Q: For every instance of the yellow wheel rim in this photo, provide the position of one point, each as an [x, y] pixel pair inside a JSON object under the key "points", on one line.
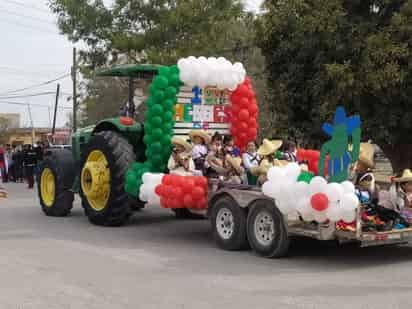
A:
{"points": [[47, 187], [95, 180]]}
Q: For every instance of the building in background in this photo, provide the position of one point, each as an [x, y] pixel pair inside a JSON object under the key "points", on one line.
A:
{"points": [[13, 119]]}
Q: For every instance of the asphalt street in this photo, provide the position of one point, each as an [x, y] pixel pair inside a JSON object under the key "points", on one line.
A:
{"points": [[157, 261]]}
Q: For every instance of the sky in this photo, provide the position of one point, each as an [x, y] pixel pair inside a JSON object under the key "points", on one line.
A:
{"points": [[32, 52]]}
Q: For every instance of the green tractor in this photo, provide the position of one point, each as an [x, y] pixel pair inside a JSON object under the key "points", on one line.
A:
{"points": [[96, 165]]}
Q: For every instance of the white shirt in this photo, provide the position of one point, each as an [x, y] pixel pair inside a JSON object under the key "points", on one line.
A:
{"points": [[250, 160], [199, 151]]}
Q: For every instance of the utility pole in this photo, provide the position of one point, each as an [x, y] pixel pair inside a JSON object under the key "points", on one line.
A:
{"points": [[55, 109], [31, 124], [74, 71]]}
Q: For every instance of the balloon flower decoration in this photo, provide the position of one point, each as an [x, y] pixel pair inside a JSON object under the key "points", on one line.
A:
{"points": [[158, 128], [174, 191], [313, 201]]}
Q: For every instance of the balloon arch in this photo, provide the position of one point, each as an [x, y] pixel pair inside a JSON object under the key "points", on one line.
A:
{"points": [[159, 123]]}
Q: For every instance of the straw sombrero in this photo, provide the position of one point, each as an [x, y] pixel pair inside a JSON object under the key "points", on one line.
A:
{"points": [[235, 162], [406, 176], [176, 140], [203, 134], [366, 154], [268, 147]]}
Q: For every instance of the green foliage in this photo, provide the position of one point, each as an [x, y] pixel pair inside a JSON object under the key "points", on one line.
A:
{"points": [[354, 53]]}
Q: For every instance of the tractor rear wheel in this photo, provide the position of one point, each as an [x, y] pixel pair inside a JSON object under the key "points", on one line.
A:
{"points": [[54, 181], [104, 163]]}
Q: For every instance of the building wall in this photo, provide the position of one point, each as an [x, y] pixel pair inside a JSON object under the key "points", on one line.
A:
{"points": [[13, 118]]}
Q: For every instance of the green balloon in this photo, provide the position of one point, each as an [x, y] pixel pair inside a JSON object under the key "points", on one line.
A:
{"points": [[148, 127], [157, 134], [150, 102], [174, 80], [159, 96], [168, 105], [153, 89], [174, 69], [156, 147], [160, 82], [156, 160], [136, 166], [166, 140], [164, 71], [147, 139], [131, 178], [168, 116], [157, 110], [157, 121], [170, 93], [148, 152], [305, 177]]}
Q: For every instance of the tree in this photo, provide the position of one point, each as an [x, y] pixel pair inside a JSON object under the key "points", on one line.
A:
{"points": [[5, 124], [320, 54]]}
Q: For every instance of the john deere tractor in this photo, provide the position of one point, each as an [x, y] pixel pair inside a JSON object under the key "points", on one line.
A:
{"points": [[96, 165]]}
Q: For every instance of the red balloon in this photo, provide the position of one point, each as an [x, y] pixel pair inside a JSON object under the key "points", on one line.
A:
{"points": [[253, 109], [201, 181], [188, 201], [252, 123], [175, 203], [167, 179], [242, 90], [243, 126], [188, 185], [251, 95], [202, 203], [244, 114], [178, 193], [252, 133], [243, 103], [243, 137], [198, 192], [163, 202], [319, 201], [159, 190]]}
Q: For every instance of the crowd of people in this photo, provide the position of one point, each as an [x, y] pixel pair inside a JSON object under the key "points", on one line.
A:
{"points": [[217, 157], [19, 163]]}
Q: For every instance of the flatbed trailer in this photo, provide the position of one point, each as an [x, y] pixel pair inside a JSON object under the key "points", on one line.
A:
{"points": [[243, 216]]}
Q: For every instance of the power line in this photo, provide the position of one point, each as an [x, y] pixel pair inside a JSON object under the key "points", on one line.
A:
{"points": [[28, 16], [27, 95], [44, 30], [27, 5], [33, 104], [37, 85]]}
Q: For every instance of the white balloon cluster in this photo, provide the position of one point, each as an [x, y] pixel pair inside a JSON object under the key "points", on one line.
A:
{"points": [[147, 189], [211, 71], [293, 196]]}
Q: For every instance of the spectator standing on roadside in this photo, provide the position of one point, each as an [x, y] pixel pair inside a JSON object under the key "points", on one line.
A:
{"points": [[30, 162]]}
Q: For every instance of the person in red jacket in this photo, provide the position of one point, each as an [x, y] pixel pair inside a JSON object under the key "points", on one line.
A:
{"points": [[3, 164]]}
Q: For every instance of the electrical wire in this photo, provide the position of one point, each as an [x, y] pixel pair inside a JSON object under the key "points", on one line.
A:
{"points": [[27, 16], [37, 85], [27, 95], [44, 30], [25, 5], [34, 104]]}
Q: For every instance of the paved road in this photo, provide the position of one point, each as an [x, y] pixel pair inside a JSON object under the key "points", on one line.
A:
{"points": [[158, 262]]}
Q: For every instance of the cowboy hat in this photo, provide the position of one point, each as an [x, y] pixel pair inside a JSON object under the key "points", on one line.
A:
{"points": [[268, 147], [406, 176], [235, 162], [202, 134], [366, 154], [176, 140]]}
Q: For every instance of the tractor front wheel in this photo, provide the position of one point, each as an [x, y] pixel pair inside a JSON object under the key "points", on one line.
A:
{"points": [[105, 162]]}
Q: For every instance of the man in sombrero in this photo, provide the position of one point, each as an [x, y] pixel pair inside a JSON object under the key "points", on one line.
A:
{"points": [[181, 162]]}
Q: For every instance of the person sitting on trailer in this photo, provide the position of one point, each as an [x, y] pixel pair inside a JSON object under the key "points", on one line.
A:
{"points": [[181, 162], [234, 170], [267, 152], [401, 194], [200, 139], [215, 160], [229, 147], [250, 160]]}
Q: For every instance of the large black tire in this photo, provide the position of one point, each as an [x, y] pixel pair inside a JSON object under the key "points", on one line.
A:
{"points": [[61, 164], [266, 230], [119, 154], [228, 221]]}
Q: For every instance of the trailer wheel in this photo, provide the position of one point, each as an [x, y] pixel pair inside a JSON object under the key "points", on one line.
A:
{"points": [[228, 221], [266, 230]]}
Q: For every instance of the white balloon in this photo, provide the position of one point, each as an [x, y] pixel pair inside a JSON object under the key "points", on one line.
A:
{"points": [[275, 173], [301, 189], [267, 189], [317, 184], [348, 187], [349, 201], [303, 207], [348, 216], [334, 212], [285, 206], [334, 192], [292, 171]]}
